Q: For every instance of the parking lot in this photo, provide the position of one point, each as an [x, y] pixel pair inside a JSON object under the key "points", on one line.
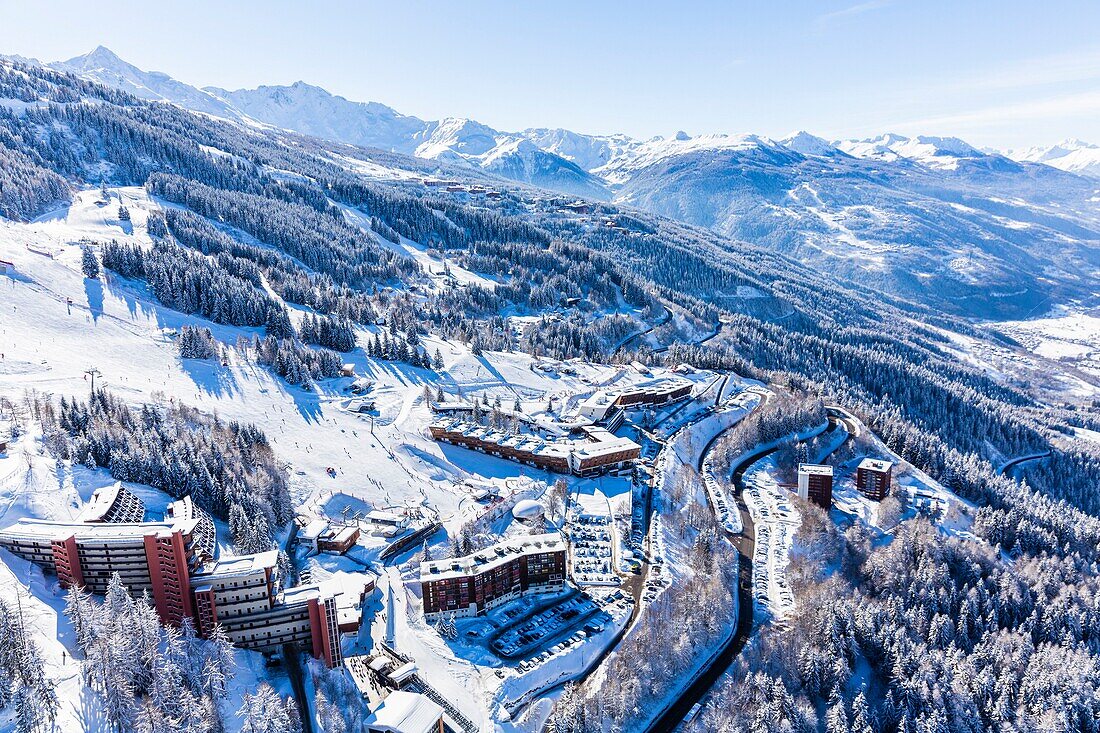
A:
{"points": [[549, 627], [776, 521]]}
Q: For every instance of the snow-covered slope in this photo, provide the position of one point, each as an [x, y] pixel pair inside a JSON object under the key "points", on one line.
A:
{"points": [[1075, 156], [312, 110], [930, 219], [937, 152], [103, 66]]}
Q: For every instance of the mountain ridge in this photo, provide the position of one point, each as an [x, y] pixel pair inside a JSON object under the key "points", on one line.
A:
{"points": [[928, 216]]}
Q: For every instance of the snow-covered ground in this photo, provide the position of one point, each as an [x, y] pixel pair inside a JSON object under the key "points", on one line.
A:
{"points": [[1066, 335], [922, 493], [34, 485], [56, 325]]}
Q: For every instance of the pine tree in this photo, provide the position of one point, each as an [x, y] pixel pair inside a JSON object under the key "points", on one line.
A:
{"points": [[220, 662], [836, 719], [89, 263], [79, 610]]}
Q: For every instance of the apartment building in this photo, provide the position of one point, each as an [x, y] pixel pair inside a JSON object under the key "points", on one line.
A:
{"points": [[170, 561], [598, 450], [873, 478], [471, 585], [815, 483]]}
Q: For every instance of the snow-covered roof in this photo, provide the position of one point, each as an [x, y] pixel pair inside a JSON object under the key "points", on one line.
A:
{"points": [[313, 530], [813, 468], [404, 712], [875, 464], [113, 504], [346, 588], [534, 445], [491, 557], [527, 509], [605, 447], [380, 517], [403, 672], [47, 530], [235, 567]]}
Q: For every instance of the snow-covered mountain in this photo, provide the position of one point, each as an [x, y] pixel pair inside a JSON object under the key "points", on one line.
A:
{"points": [[466, 142], [931, 218], [807, 144], [587, 151], [103, 66], [1075, 156], [935, 152], [313, 111]]}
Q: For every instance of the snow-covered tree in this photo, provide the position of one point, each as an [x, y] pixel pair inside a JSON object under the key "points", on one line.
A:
{"points": [[89, 263]]}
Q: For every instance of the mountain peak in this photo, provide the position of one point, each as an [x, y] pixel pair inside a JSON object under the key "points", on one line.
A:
{"points": [[101, 53], [99, 57], [808, 144]]}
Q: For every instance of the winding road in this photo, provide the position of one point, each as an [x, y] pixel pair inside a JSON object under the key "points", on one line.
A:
{"points": [[638, 334], [1007, 467], [745, 543]]}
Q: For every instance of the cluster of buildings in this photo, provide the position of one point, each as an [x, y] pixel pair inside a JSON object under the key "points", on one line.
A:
{"points": [[597, 450], [601, 405], [457, 187], [471, 585], [399, 700], [174, 560], [324, 537]]}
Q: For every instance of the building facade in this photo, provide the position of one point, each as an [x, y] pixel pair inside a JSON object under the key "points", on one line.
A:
{"points": [[659, 394], [166, 560], [471, 585], [157, 557], [598, 451], [873, 478], [815, 483]]}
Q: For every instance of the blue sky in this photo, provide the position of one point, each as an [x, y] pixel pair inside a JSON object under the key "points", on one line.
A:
{"points": [[1006, 74]]}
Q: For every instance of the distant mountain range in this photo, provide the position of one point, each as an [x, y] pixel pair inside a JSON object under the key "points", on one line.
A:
{"points": [[929, 218], [1074, 156]]}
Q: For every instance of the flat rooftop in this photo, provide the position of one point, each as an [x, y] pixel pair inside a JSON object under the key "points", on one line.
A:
{"points": [[815, 469], [876, 464], [230, 567], [606, 442], [345, 587], [45, 530], [491, 557]]}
